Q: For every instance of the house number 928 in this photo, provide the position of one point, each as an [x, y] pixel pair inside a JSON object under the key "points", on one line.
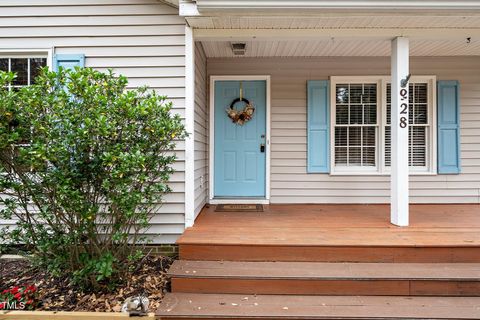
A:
{"points": [[403, 108]]}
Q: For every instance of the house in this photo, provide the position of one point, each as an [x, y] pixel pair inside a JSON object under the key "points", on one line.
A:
{"points": [[334, 103]]}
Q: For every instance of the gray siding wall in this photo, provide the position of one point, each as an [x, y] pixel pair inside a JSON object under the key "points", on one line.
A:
{"points": [[201, 129], [290, 182], [141, 39]]}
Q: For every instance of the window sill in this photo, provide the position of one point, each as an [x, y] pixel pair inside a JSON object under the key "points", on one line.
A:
{"points": [[346, 173]]}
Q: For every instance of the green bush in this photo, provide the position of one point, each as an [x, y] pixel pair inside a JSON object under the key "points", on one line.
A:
{"points": [[84, 165]]}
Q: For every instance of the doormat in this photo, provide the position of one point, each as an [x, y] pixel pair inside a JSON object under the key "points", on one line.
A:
{"points": [[239, 208]]}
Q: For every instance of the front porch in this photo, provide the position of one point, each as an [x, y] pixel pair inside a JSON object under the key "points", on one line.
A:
{"points": [[335, 232], [298, 161], [350, 106], [328, 262]]}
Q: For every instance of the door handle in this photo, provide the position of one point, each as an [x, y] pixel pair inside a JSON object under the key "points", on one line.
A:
{"points": [[262, 147]]}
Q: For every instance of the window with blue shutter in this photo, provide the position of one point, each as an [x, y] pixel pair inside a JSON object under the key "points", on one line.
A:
{"points": [[318, 113], [68, 61], [448, 112]]}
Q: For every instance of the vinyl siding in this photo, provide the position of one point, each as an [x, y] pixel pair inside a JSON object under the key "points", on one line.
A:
{"points": [[201, 129], [141, 39], [290, 182]]}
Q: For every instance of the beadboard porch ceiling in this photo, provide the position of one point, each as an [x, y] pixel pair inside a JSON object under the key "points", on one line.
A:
{"points": [[339, 47], [339, 35]]}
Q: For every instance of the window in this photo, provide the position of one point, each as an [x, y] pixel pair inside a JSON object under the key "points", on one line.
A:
{"points": [[356, 125], [26, 67], [418, 131], [361, 109]]}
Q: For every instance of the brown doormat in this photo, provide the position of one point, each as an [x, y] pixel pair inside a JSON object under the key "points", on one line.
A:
{"points": [[239, 208]]}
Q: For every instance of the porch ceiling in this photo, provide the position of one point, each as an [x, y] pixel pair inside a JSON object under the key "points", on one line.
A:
{"points": [[343, 21], [338, 35], [341, 47]]}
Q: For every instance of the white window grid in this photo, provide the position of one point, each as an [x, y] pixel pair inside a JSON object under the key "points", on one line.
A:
{"points": [[362, 126], [29, 59], [413, 126], [381, 168]]}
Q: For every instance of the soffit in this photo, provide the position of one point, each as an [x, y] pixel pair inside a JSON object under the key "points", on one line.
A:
{"points": [[316, 48]]}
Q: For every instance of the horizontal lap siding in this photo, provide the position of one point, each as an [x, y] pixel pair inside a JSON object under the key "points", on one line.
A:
{"points": [[141, 39], [290, 182], [201, 129]]}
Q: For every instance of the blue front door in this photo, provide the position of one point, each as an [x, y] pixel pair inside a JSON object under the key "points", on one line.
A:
{"points": [[240, 161]]}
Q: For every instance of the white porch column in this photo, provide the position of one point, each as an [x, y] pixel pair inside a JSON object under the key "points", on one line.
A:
{"points": [[399, 132], [190, 127]]}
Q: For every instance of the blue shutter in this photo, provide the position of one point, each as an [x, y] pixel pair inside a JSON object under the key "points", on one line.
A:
{"points": [[448, 127], [68, 61], [318, 149]]}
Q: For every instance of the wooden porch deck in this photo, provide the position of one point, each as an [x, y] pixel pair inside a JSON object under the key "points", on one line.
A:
{"points": [[328, 262], [328, 232]]}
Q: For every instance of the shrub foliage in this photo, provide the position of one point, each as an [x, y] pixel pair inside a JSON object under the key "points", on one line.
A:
{"points": [[84, 165]]}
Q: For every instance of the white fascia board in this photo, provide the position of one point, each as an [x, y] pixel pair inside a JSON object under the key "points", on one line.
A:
{"points": [[188, 8], [338, 4]]}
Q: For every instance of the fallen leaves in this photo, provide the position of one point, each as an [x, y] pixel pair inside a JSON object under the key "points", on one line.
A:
{"points": [[59, 294]]}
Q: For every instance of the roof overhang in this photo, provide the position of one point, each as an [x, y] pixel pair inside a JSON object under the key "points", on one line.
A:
{"points": [[324, 27], [173, 3], [315, 7]]}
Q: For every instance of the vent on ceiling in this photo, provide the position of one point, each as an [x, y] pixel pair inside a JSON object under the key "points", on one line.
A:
{"points": [[239, 48]]}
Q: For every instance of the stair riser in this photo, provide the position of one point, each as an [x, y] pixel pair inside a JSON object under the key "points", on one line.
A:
{"points": [[327, 287], [330, 254], [283, 318]]}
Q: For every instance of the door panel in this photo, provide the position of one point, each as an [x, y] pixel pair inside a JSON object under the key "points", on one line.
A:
{"points": [[239, 165]]}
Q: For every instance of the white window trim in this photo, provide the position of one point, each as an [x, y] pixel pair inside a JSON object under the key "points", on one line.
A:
{"points": [[29, 53], [380, 168]]}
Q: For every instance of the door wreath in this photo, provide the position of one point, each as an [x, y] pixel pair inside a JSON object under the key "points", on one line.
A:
{"points": [[240, 117]]}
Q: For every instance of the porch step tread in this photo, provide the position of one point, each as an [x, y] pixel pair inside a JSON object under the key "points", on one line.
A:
{"points": [[331, 237], [231, 306], [325, 271]]}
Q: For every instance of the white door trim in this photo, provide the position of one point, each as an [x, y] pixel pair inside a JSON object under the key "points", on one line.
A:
{"points": [[211, 170]]}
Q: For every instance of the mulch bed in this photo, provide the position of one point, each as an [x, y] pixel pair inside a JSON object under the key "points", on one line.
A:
{"points": [[58, 294]]}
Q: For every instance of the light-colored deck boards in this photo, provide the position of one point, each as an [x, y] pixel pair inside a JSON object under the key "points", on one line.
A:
{"points": [[229, 306]]}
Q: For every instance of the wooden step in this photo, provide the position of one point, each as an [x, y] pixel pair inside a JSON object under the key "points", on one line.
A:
{"points": [[228, 306], [335, 233], [322, 253], [316, 278]]}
